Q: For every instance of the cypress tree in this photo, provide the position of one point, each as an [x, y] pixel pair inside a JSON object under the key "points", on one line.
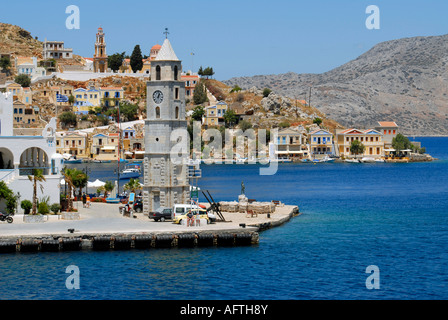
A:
{"points": [[136, 59]]}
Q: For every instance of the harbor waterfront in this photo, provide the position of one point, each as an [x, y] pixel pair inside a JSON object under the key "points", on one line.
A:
{"points": [[391, 215]]}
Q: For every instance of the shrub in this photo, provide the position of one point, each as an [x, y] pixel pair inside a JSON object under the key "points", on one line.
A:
{"points": [[55, 207], [266, 92], [43, 208], [26, 205]]}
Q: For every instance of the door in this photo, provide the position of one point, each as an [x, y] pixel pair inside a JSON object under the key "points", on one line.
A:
{"points": [[156, 201]]}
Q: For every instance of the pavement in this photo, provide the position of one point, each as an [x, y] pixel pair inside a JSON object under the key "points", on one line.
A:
{"points": [[104, 218]]}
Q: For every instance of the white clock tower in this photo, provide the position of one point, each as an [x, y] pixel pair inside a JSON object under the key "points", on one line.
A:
{"points": [[165, 181]]}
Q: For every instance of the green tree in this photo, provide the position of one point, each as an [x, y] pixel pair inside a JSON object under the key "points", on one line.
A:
{"points": [[71, 99], [236, 88], [115, 61], [200, 93], [79, 179], [133, 185], [317, 121], [136, 59], [23, 80], [128, 111], [198, 113], [5, 64], [401, 142], [68, 118], [37, 178], [70, 176], [8, 195], [356, 147], [230, 118], [108, 187], [201, 71]]}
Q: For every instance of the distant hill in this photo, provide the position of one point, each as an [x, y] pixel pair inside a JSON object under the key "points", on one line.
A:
{"points": [[403, 80]]}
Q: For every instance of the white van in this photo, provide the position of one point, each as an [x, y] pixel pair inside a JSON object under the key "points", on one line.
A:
{"points": [[181, 209]]}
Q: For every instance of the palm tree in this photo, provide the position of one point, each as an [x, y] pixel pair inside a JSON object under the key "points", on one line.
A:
{"points": [[133, 185], [71, 175], [79, 180], [108, 187], [38, 176]]}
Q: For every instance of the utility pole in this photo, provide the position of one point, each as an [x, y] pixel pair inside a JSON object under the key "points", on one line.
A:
{"points": [[309, 99]]}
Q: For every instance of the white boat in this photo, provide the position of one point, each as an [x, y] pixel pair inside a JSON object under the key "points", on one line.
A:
{"points": [[130, 172], [351, 160], [367, 160], [380, 160]]}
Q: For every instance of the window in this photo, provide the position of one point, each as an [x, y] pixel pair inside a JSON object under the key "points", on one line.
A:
{"points": [[15, 110], [176, 93], [157, 112], [79, 142], [175, 73], [377, 139], [394, 131], [158, 73]]}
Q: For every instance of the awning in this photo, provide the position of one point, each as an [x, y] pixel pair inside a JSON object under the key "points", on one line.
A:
{"points": [[108, 148], [129, 153], [389, 150], [139, 152], [96, 184]]}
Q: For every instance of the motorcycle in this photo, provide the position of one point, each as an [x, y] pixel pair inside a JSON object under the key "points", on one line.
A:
{"points": [[6, 217]]}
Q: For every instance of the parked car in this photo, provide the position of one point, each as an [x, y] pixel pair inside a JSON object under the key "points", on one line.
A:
{"points": [[161, 214]]}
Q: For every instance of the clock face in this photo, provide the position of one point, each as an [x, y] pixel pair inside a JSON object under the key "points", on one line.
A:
{"points": [[157, 96]]}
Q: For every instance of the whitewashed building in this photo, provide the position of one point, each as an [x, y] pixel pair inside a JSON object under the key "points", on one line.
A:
{"points": [[20, 155]]}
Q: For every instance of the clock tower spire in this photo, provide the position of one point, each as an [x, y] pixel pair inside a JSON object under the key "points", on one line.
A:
{"points": [[165, 181]]}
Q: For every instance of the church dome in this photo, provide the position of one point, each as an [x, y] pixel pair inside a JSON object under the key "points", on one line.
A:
{"points": [[156, 47]]}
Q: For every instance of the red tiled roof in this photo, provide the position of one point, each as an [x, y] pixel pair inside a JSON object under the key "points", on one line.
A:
{"points": [[387, 124]]}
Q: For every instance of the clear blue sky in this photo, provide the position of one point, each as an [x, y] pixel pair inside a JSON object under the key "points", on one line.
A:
{"points": [[235, 37]]}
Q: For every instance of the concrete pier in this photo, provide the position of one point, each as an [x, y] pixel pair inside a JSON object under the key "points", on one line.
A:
{"points": [[102, 227]]}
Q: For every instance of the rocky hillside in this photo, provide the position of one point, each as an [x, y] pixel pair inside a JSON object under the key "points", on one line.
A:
{"points": [[404, 80], [19, 42], [272, 111]]}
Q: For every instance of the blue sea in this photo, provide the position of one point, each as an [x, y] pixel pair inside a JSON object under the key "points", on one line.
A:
{"points": [[392, 216]]}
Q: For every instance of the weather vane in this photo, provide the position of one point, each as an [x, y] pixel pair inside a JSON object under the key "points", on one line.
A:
{"points": [[166, 33]]}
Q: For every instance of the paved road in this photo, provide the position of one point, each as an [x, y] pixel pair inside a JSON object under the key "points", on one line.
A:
{"points": [[101, 218]]}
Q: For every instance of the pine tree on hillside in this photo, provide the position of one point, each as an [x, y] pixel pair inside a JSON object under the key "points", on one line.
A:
{"points": [[136, 59]]}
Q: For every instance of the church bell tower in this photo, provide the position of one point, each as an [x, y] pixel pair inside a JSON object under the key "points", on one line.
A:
{"points": [[100, 56], [165, 178]]}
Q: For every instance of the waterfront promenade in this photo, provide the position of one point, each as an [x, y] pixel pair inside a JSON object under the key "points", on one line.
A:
{"points": [[105, 219]]}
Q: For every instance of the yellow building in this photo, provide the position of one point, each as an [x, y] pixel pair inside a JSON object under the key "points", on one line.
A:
{"points": [[214, 115], [111, 96], [86, 99], [371, 139], [25, 115], [73, 142], [291, 144], [105, 146], [321, 143]]}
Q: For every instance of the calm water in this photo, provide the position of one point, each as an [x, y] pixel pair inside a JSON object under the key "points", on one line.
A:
{"points": [[394, 216]]}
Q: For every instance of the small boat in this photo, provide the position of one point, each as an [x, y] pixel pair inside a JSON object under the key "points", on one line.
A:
{"points": [[132, 171], [113, 200], [380, 160], [351, 160], [367, 160], [73, 160]]}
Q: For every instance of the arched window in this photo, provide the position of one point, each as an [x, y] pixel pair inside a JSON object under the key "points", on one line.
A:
{"points": [[157, 112], [177, 113], [158, 73], [175, 73]]}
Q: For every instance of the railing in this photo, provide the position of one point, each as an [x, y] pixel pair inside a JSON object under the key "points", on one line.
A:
{"points": [[10, 175], [30, 171]]}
